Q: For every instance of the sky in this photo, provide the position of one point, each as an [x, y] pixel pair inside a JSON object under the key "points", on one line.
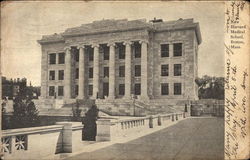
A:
{"points": [[23, 23]]}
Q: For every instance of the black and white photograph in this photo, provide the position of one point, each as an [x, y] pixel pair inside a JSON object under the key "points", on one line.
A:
{"points": [[124, 80]]}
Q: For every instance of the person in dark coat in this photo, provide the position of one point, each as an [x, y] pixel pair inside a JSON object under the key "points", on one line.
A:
{"points": [[89, 121]]}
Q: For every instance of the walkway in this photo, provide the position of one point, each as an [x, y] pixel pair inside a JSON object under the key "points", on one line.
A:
{"points": [[190, 139]]}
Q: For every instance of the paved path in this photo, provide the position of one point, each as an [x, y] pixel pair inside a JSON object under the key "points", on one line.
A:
{"points": [[190, 139]]}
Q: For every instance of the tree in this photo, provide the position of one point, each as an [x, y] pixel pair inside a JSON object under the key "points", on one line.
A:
{"points": [[25, 113], [210, 87], [76, 112]]}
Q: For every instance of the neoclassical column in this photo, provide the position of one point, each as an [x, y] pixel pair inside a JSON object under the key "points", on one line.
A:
{"points": [[127, 69], [111, 71], [96, 71], [81, 80], [144, 69], [67, 79]]}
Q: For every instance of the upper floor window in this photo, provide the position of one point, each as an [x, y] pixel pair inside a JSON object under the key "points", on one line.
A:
{"points": [[51, 75], [137, 70], [52, 58], [105, 52], [164, 89], [75, 52], [121, 49], [121, 71], [60, 90], [61, 58], [51, 90], [177, 88], [90, 52], [177, 49], [137, 49], [77, 73], [106, 71], [177, 69], [90, 72], [60, 74], [164, 70], [121, 89], [164, 50]]}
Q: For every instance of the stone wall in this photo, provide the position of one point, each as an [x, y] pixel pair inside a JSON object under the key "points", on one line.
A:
{"points": [[39, 142], [186, 37]]}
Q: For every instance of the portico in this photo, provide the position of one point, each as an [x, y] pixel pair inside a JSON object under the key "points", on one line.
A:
{"points": [[98, 64]]}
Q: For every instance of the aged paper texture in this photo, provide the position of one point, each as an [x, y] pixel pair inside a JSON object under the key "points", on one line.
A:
{"points": [[220, 49], [237, 80]]}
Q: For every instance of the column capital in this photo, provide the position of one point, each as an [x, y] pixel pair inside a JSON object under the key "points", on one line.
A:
{"points": [[67, 48], [111, 44], [127, 43], [80, 46], [143, 41], [94, 45]]}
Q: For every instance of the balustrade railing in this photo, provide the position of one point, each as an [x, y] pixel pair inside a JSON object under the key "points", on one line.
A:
{"points": [[108, 129]]}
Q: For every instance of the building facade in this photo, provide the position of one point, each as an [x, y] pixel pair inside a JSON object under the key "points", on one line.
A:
{"points": [[154, 61]]}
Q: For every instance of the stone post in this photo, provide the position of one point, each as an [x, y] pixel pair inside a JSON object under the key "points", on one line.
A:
{"points": [[111, 71], [81, 93], [67, 79], [103, 130], [66, 136], [127, 70], [96, 71], [144, 70]]}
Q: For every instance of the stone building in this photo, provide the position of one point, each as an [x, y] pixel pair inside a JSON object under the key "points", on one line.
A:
{"points": [[117, 62], [11, 87]]}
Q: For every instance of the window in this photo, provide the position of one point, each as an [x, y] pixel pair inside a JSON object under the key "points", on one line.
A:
{"points": [[61, 58], [52, 58], [90, 90], [164, 89], [51, 75], [60, 90], [77, 73], [121, 71], [76, 90], [121, 50], [75, 52], [177, 88], [177, 69], [137, 70], [137, 89], [105, 53], [165, 50], [60, 74], [90, 72], [121, 89], [164, 70], [51, 90], [177, 49], [106, 71], [90, 52], [137, 47]]}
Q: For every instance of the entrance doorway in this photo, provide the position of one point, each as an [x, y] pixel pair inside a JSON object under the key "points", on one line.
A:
{"points": [[105, 89]]}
